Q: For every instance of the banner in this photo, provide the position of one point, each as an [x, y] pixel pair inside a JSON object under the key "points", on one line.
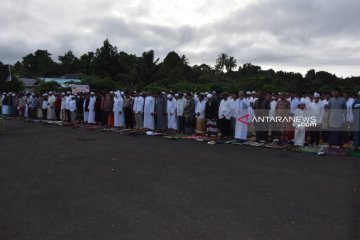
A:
{"points": [[80, 88]]}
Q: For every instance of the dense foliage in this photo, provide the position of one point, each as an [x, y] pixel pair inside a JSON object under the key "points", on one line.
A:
{"points": [[107, 68]]}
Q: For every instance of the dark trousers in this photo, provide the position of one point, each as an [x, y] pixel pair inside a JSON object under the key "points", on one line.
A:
{"points": [[314, 136], [44, 112], [129, 122], [262, 131], [181, 124], [68, 115], [104, 117], [225, 127], [57, 114]]}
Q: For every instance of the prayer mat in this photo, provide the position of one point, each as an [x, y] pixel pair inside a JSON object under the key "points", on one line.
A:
{"points": [[355, 153], [275, 146], [255, 144], [310, 149]]}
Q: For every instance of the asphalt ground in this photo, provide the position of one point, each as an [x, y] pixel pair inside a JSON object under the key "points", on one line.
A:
{"points": [[63, 183]]}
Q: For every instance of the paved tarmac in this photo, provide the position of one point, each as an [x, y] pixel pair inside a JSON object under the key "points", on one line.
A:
{"points": [[63, 183]]}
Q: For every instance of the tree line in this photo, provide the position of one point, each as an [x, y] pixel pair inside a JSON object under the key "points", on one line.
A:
{"points": [[107, 68]]}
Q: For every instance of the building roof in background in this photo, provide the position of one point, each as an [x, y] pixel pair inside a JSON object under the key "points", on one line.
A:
{"points": [[28, 82], [61, 80]]}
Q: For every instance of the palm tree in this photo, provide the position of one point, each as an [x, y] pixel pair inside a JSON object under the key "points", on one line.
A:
{"points": [[185, 60], [221, 61], [147, 68], [230, 64]]}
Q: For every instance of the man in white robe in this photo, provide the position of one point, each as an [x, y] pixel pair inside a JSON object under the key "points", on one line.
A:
{"points": [[301, 113], [51, 107], [91, 118], [171, 112], [149, 111], [119, 119], [241, 110]]}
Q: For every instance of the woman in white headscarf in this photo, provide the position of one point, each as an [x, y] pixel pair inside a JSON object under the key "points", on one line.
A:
{"points": [[119, 119]]}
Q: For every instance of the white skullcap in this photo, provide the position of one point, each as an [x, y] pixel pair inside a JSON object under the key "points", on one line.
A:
{"points": [[214, 92], [92, 93], [45, 94], [169, 96], [316, 95], [253, 92], [111, 92], [248, 92], [163, 93], [62, 93], [68, 92], [122, 93], [50, 92], [359, 93], [209, 96], [302, 102], [176, 95]]}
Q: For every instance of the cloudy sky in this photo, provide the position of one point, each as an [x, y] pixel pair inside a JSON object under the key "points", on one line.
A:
{"points": [[290, 35]]}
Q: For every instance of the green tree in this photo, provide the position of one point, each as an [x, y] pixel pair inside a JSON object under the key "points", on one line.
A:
{"points": [[221, 62], [86, 62], [38, 64], [106, 61], [147, 67], [69, 63], [230, 64], [12, 86]]}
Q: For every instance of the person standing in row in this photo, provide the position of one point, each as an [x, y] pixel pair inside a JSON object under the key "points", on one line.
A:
{"points": [[200, 115], [138, 110], [149, 112], [180, 106], [128, 112], [225, 114], [241, 111]]}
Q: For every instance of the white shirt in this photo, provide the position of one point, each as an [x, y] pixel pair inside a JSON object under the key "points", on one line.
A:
{"points": [[317, 110], [180, 106], [138, 104], [349, 111], [171, 107], [44, 104], [272, 111], [200, 108], [72, 106], [67, 102], [225, 110]]}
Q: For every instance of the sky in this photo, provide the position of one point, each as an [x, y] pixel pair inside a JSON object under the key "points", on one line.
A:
{"points": [[289, 35]]}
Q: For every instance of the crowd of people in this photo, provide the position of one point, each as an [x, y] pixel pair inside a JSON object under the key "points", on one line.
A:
{"points": [[335, 115]]}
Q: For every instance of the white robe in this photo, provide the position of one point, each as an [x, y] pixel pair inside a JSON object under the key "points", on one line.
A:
{"points": [[118, 112], [299, 137], [200, 108], [51, 108], [241, 110], [171, 114], [349, 110], [91, 118], [149, 109]]}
